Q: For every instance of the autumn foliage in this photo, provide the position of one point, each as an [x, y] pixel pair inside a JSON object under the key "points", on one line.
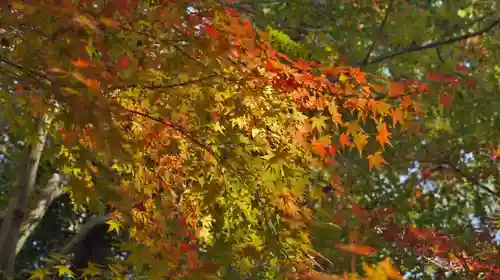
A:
{"points": [[203, 138]]}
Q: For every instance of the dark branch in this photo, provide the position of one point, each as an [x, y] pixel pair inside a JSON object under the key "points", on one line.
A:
{"points": [[381, 27], [82, 233], [434, 44]]}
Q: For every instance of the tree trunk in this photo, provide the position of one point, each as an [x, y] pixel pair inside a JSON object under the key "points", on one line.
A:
{"points": [[18, 203]]}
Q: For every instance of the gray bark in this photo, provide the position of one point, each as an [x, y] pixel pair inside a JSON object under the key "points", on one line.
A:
{"points": [[17, 208], [48, 194]]}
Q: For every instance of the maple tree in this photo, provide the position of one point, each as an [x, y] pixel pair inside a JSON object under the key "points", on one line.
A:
{"points": [[212, 154], [446, 50]]}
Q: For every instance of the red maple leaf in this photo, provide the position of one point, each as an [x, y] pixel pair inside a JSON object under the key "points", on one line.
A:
{"points": [[446, 100], [123, 61]]}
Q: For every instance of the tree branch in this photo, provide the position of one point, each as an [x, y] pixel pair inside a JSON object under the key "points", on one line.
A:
{"points": [[381, 27], [434, 44], [84, 230], [49, 193]]}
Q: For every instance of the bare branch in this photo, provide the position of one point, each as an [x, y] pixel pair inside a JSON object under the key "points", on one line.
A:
{"points": [[434, 44]]}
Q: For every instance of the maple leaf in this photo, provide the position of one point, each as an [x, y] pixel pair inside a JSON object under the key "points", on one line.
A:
{"points": [[384, 270], [114, 225], [434, 77], [333, 110], [396, 89], [123, 61], [380, 108], [318, 123], [352, 128], [85, 22], [39, 274], [91, 270], [375, 160], [319, 148], [301, 64], [407, 102], [270, 66], [343, 78], [359, 76], [63, 270], [383, 134], [345, 140], [122, 6], [332, 150], [495, 151], [461, 68], [397, 116], [446, 100], [360, 140], [93, 84], [358, 249], [109, 22], [423, 87], [80, 63], [212, 32]]}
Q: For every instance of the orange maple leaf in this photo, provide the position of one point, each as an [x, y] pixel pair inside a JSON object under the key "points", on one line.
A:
{"points": [[80, 63], [358, 249], [383, 134], [396, 89], [407, 102], [375, 160], [319, 147], [495, 151], [359, 76], [93, 84], [397, 116], [301, 64], [345, 140]]}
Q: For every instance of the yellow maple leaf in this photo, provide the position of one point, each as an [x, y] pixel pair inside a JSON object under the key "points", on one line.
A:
{"points": [[380, 108], [360, 140], [39, 273], [91, 270], [109, 22], [389, 269], [113, 225], [383, 271], [375, 160], [352, 128], [64, 270]]}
